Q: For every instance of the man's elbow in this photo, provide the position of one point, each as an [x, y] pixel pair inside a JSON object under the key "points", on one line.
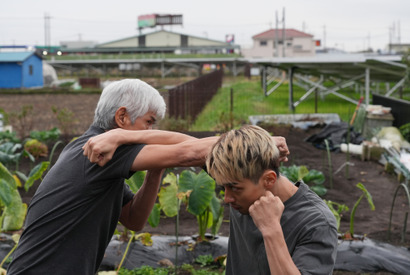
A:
{"points": [[135, 226]]}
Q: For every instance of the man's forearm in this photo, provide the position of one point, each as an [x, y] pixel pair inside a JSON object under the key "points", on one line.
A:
{"points": [[149, 137], [279, 259], [136, 213]]}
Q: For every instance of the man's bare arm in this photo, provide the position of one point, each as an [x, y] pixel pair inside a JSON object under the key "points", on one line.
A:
{"points": [[283, 148], [134, 215], [101, 148], [185, 154], [266, 213]]}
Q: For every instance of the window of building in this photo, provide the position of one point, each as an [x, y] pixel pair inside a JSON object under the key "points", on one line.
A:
{"points": [[30, 70], [263, 43]]}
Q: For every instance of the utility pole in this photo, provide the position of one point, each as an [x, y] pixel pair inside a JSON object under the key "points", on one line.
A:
{"points": [[47, 36], [276, 35], [283, 34], [276, 38]]}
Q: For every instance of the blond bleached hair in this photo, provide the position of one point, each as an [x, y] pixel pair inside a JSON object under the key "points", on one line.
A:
{"points": [[243, 154]]}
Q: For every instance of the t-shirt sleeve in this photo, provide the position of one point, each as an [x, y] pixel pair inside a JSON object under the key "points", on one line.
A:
{"points": [[316, 254], [127, 195]]}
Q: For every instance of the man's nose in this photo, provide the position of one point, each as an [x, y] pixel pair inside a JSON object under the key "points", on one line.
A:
{"points": [[228, 197]]}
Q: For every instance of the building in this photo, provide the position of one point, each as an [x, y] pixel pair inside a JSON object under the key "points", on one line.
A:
{"points": [[281, 43], [399, 48], [161, 42], [20, 70], [76, 44]]}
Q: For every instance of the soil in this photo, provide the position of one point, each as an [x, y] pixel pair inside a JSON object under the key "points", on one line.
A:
{"points": [[380, 184]]}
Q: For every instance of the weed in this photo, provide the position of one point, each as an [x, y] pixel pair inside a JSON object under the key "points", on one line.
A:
{"points": [[66, 121], [22, 120]]}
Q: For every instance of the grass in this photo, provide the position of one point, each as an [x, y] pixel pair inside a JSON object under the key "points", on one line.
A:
{"points": [[249, 99]]}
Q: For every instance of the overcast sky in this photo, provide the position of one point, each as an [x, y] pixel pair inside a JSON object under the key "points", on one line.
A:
{"points": [[352, 25]]}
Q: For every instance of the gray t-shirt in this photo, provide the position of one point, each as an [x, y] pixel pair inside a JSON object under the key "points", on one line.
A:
{"points": [[310, 233], [74, 212]]}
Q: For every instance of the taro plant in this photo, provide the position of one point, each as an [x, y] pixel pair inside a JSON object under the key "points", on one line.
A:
{"points": [[368, 196], [12, 209], [135, 182], [313, 178], [35, 174], [197, 191], [337, 209]]}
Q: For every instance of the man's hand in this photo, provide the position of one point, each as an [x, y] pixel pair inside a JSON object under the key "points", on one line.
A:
{"points": [[266, 212], [100, 149], [283, 148]]}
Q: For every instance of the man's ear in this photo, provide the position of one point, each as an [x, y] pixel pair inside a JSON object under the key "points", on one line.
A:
{"points": [[121, 117], [269, 178]]}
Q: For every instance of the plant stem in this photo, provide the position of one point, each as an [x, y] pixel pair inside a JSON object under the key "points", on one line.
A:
{"points": [[126, 250], [352, 215], [52, 152], [8, 255], [330, 164], [176, 237]]}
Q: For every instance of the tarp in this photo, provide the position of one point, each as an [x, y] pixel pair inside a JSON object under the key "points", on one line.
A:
{"points": [[335, 133]]}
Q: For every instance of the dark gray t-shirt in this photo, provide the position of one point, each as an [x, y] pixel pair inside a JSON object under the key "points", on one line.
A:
{"points": [[74, 212], [310, 233]]}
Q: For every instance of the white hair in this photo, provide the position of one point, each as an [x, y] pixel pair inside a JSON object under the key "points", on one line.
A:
{"points": [[135, 95]]}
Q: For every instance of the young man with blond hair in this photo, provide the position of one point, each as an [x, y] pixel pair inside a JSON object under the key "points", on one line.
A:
{"points": [[276, 226]]}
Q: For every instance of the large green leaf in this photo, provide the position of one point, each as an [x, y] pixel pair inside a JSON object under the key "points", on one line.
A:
{"points": [[168, 195], [5, 192], [154, 217], [135, 181], [320, 190], [314, 177], [217, 213], [36, 173], [7, 176], [14, 215], [203, 188], [291, 172]]}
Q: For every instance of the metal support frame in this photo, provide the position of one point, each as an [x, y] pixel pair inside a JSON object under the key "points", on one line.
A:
{"points": [[367, 85], [398, 85], [290, 73], [165, 72], [326, 90]]}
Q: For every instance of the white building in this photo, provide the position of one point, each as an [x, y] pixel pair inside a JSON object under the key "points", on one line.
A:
{"points": [[279, 43]]}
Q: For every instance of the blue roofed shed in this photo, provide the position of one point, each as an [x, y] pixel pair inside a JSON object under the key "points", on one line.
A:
{"points": [[20, 70]]}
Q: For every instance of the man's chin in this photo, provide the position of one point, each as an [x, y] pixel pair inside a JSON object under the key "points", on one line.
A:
{"points": [[240, 209]]}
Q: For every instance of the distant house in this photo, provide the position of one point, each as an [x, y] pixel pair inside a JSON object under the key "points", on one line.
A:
{"points": [[281, 43], [20, 70], [166, 42], [399, 48]]}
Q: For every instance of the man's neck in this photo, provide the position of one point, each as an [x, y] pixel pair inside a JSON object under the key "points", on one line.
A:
{"points": [[284, 188]]}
